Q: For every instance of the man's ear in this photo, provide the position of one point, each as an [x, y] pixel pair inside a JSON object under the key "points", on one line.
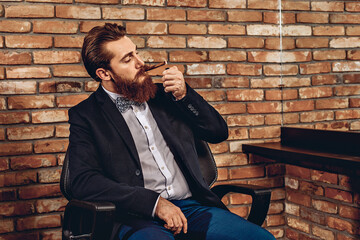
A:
{"points": [[103, 74]]}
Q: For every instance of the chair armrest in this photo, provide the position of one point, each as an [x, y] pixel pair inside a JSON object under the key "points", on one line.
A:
{"points": [[260, 199], [88, 220]]}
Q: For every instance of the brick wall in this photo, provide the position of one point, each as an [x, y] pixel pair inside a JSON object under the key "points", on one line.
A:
{"points": [[230, 53]]}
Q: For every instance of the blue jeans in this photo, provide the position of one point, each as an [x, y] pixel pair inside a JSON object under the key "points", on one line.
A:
{"points": [[208, 223]]}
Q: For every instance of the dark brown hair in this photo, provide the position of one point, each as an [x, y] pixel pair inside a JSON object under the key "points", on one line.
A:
{"points": [[94, 53]]}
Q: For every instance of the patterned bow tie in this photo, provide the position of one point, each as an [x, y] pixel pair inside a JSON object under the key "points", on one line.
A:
{"points": [[124, 104]]}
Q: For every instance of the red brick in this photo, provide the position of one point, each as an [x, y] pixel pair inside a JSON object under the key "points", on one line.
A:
{"points": [[50, 205], [275, 220], [265, 82], [78, 12], [55, 234], [311, 188], [68, 86], [341, 225], [352, 7], [299, 5], [180, 28], [14, 117], [288, 94], [244, 16], [258, 4], [206, 42], [346, 90], [316, 116], [27, 133], [39, 191], [200, 82], [55, 57], [350, 42], [219, 147], [327, 6], [47, 87], [329, 55], [244, 69], [163, 14], [71, 100], [226, 160], [238, 133], [49, 116], [264, 107], [296, 82], [265, 132], [240, 199], [166, 42], [230, 108], [240, 211], [36, 222], [345, 18], [312, 17], [315, 92], [6, 225], [299, 106], [340, 126], [4, 164], [29, 11], [51, 1], [68, 41], [347, 114], [323, 233], [354, 102], [349, 212], [273, 17], [274, 44], [55, 27], [91, 86], [49, 175], [245, 120], [62, 131], [24, 41], [297, 30], [328, 31], [233, 82], [28, 72], [145, 2], [324, 177], [299, 172], [228, 29], [312, 216], [298, 224], [69, 71], [273, 119], [299, 198], [353, 54], [353, 30], [262, 29], [50, 146], [36, 161], [247, 172], [213, 96], [236, 56], [182, 3], [245, 42], [338, 194], [18, 178], [31, 102], [205, 69], [13, 26], [277, 70], [276, 57], [15, 58], [153, 56], [208, 16], [227, 3], [15, 149], [331, 103], [312, 42], [26, 235], [146, 28], [245, 95]]}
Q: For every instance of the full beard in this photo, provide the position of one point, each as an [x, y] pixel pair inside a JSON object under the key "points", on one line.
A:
{"points": [[137, 90]]}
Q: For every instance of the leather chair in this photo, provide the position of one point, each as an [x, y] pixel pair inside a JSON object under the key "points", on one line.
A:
{"points": [[94, 220]]}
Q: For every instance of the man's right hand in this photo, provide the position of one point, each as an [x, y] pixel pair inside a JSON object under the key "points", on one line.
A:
{"points": [[172, 216]]}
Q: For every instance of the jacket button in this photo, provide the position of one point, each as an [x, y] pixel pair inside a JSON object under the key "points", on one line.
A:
{"points": [[137, 172]]}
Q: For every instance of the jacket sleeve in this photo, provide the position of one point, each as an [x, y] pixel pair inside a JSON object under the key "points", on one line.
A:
{"points": [[206, 123], [88, 180]]}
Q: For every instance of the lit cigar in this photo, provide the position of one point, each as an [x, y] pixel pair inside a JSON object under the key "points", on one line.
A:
{"points": [[156, 66]]}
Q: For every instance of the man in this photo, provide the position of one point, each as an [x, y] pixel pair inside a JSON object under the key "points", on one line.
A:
{"points": [[132, 143]]}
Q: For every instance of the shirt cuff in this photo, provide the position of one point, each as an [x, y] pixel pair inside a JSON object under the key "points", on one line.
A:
{"points": [[156, 203]]}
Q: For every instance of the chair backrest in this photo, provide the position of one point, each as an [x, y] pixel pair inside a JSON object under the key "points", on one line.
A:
{"points": [[206, 161], [65, 185]]}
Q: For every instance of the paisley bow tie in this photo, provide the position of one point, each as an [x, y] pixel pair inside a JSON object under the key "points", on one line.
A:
{"points": [[124, 104]]}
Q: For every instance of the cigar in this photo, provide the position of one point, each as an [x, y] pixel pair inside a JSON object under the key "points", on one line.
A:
{"points": [[156, 66]]}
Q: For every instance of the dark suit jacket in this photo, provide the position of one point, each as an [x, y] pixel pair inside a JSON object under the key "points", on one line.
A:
{"points": [[104, 164]]}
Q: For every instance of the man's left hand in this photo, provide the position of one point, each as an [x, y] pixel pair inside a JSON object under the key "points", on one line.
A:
{"points": [[173, 81]]}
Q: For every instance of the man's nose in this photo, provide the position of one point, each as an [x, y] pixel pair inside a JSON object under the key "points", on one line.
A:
{"points": [[139, 61]]}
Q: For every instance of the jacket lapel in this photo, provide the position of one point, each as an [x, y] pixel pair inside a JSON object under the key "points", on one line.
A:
{"points": [[117, 120]]}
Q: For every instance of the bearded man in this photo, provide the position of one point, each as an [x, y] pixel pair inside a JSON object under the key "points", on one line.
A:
{"points": [[132, 143]]}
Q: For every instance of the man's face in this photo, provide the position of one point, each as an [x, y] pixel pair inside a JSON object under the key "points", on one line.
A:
{"points": [[126, 62]]}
